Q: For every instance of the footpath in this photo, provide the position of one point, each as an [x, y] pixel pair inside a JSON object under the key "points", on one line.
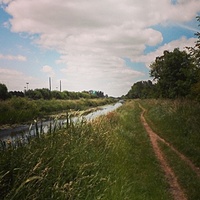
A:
{"points": [[175, 189]]}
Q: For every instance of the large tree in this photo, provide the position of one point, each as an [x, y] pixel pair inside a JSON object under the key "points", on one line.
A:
{"points": [[175, 73]]}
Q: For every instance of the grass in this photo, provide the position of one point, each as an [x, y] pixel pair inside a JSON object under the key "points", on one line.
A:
{"points": [[109, 158], [178, 122], [18, 110], [186, 177]]}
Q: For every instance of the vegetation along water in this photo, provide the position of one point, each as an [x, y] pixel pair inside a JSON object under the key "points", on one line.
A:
{"points": [[109, 158], [146, 150]]}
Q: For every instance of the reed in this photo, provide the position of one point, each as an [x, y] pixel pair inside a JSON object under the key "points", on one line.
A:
{"points": [[108, 158], [18, 110]]}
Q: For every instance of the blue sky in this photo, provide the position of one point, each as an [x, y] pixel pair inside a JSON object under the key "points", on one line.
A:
{"points": [[105, 45]]}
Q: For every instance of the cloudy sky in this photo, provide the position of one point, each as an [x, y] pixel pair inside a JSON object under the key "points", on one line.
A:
{"points": [[104, 45]]}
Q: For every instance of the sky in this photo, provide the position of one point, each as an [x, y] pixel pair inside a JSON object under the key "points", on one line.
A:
{"points": [[105, 45]]}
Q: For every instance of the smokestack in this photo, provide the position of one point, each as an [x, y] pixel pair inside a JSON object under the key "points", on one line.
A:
{"points": [[50, 83], [60, 85]]}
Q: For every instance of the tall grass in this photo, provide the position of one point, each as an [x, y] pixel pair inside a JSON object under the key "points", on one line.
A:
{"points": [[17, 110], [109, 158], [179, 123], [186, 176]]}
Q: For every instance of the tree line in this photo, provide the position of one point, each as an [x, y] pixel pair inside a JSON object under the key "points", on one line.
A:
{"points": [[175, 74], [46, 94]]}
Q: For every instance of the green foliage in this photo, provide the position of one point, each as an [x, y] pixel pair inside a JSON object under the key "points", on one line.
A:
{"points": [[141, 89], [39, 94], [195, 51], [3, 92], [16, 94], [110, 158], [187, 178], [17, 109], [175, 74], [195, 91], [178, 123], [57, 94], [47, 94]]}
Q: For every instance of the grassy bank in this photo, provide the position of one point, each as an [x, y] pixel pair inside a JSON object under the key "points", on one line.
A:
{"points": [[18, 110], [186, 176], [110, 158], [178, 122]]}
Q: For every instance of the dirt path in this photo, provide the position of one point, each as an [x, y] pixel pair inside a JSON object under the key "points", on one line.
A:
{"points": [[175, 188], [184, 158]]}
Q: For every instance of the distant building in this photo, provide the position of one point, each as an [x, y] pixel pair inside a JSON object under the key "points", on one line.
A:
{"points": [[92, 91]]}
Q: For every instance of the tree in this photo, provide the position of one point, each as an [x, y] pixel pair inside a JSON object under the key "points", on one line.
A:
{"points": [[175, 73], [141, 89], [195, 51], [46, 93], [195, 55], [57, 94], [16, 94], [37, 94], [3, 92]]}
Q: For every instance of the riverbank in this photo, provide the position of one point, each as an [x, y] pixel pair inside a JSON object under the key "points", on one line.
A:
{"points": [[20, 110], [54, 122], [109, 158], [57, 115], [112, 157]]}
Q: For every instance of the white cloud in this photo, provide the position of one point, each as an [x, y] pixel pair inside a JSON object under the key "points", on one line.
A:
{"points": [[12, 57], [48, 70], [113, 80], [181, 44], [93, 36]]}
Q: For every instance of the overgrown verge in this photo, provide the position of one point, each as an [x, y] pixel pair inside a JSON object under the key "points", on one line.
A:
{"points": [[18, 110], [110, 158], [178, 122], [186, 176]]}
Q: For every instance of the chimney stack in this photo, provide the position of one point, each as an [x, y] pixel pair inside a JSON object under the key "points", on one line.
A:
{"points": [[50, 83]]}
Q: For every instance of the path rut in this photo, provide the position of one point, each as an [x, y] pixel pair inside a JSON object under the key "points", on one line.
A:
{"points": [[175, 189]]}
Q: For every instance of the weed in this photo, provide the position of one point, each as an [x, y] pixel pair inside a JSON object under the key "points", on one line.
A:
{"points": [[18, 110], [178, 122], [108, 158]]}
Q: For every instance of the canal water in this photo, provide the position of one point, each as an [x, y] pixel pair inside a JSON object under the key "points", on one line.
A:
{"points": [[23, 130]]}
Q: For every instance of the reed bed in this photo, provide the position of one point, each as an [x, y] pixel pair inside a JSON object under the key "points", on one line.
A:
{"points": [[18, 110]]}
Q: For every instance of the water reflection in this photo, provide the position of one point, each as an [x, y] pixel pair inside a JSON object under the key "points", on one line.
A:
{"points": [[24, 132]]}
